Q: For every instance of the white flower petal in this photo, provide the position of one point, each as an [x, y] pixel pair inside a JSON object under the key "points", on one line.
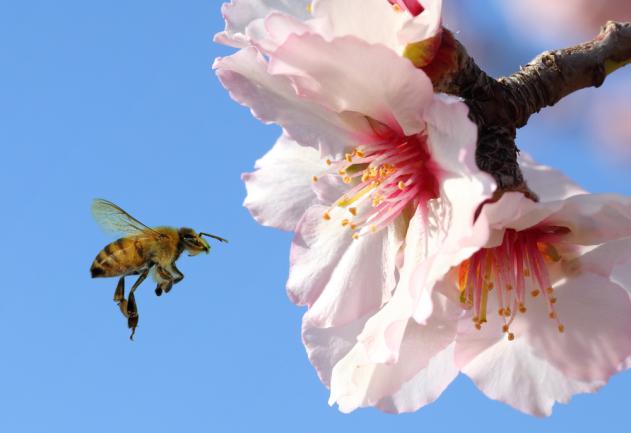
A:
{"points": [[374, 21], [340, 278], [327, 346], [239, 14], [347, 74], [509, 371], [425, 387], [358, 382], [281, 188], [273, 99], [596, 314], [549, 184]]}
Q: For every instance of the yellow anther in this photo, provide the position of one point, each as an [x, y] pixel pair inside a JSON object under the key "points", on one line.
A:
{"points": [[355, 236], [342, 172], [552, 315], [373, 228], [500, 312], [511, 336], [553, 300], [353, 226], [353, 211], [314, 179], [397, 8], [535, 293], [561, 329], [401, 185], [328, 162], [505, 329], [478, 326], [348, 157], [345, 222], [550, 290], [309, 7], [359, 153], [522, 308], [507, 312], [326, 216], [346, 179]]}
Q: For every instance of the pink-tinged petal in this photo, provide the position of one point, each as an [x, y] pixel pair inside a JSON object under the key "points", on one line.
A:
{"points": [[509, 371], [348, 74], [384, 332], [610, 260], [549, 184], [273, 99], [240, 14], [594, 218], [357, 382], [596, 315], [327, 346], [275, 29], [338, 277], [281, 188], [425, 387], [621, 272], [452, 136], [425, 25], [374, 21]]}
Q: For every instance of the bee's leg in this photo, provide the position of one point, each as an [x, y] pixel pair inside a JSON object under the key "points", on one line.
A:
{"points": [[131, 309], [167, 280], [140, 279], [119, 293], [132, 314], [179, 276]]}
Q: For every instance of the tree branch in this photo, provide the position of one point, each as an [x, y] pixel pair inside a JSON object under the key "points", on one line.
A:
{"points": [[501, 106]]}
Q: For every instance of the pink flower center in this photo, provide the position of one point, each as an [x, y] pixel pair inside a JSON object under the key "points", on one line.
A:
{"points": [[384, 176], [515, 270]]}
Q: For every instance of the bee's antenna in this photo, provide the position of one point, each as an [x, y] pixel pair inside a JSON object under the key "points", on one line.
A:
{"points": [[214, 237]]}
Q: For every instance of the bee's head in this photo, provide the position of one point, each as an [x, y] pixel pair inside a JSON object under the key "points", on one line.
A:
{"points": [[192, 242]]}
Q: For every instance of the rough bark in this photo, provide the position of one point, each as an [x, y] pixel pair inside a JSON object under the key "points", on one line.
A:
{"points": [[501, 106]]}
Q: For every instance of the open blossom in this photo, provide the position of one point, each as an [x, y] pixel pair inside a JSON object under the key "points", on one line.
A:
{"points": [[533, 307], [366, 145]]}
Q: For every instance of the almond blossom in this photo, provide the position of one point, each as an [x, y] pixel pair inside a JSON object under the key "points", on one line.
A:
{"points": [[366, 145], [533, 307]]}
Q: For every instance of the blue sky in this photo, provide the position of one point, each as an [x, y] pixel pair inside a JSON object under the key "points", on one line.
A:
{"points": [[117, 100]]}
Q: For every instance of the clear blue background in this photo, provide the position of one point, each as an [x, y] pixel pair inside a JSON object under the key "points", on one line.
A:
{"points": [[116, 99]]}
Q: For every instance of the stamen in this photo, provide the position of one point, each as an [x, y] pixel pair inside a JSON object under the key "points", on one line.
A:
{"points": [[505, 268], [384, 176]]}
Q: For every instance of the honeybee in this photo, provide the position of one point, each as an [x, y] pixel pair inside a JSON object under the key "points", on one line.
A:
{"points": [[142, 250]]}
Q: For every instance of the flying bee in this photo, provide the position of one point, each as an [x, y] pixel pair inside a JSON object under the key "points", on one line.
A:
{"points": [[142, 250]]}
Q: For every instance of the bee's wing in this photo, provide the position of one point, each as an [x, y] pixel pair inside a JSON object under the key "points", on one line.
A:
{"points": [[113, 219]]}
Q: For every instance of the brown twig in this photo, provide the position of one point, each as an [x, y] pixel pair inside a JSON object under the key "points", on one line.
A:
{"points": [[501, 106]]}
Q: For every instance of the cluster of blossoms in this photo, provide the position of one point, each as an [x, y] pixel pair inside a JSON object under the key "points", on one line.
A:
{"points": [[410, 268]]}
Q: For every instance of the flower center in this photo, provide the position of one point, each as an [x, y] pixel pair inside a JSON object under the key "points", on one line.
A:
{"points": [[515, 269], [384, 176]]}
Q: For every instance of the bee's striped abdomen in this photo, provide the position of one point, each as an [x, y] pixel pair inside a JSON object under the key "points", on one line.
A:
{"points": [[121, 257]]}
